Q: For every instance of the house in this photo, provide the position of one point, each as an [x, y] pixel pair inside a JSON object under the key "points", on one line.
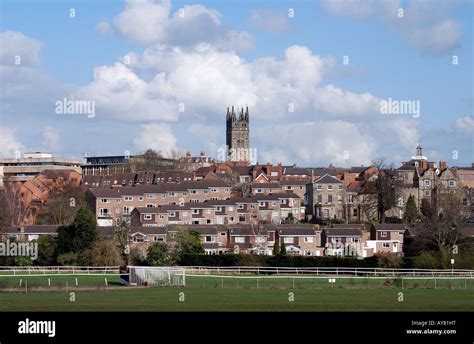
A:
{"points": [[343, 241], [387, 238], [325, 198], [300, 239]]}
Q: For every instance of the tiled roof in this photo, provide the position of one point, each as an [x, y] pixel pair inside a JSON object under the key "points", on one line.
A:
{"points": [[328, 179], [332, 232]]}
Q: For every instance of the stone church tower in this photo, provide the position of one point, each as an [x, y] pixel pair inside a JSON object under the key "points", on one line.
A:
{"points": [[237, 138]]}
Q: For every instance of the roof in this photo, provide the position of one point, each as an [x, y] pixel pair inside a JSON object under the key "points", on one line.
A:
{"points": [[398, 227], [35, 229], [336, 232], [266, 185], [328, 179]]}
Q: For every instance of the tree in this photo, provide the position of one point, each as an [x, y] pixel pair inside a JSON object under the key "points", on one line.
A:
{"points": [[187, 242], [276, 244], [426, 208], [47, 249], [64, 200], [282, 249], [381, 190], [80, 235], [443, 231], [411, 211], [16, 206], [103, 253], [157, 254]]}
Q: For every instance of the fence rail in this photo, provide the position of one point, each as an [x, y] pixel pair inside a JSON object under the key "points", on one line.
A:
{"points": [[243, 270], [327, 271]]}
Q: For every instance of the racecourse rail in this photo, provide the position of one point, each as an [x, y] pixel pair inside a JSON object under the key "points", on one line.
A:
{"points": [[20, 271]]}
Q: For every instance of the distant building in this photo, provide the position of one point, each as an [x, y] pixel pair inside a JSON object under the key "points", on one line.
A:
{"points": [[237, 135], [31, 164], [111, 164]]}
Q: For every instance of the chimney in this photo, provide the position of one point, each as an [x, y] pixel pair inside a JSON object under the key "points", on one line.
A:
{"points": [[280, 170], [442, 165], [22, 229], [312, 175], [268, 169]]}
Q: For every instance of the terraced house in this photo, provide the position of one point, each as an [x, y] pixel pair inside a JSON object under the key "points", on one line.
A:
{"points": [[112, 206]]}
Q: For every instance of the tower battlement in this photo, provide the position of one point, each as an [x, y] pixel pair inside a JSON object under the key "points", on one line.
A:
{"points": [[237, 134]]}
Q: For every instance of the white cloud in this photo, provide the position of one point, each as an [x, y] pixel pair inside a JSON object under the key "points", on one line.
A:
{"points": [[270, 20], [338, 142], [156, 136], [51, 137], [465, 124], [9, 145], [16, 44], [149, 21]]}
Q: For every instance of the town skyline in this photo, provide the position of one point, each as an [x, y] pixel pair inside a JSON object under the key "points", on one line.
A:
{"points": [[339, 85]]}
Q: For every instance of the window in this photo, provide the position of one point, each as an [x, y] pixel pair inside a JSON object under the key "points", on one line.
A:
{"points": [[350, 198], [252, 206], [329, 199], [171, 193], [162, 216], [171, 213], [158, 238], [163, 196], [150, 205], [223, 233], [320, 199], [288, 187], [218, 208], [184, 193], [213, 190], [282, 201], [138, 239], [209, 238], [386, 245], [150, 196], [240, 206], [274, 204], [128, 198], [261, 203], [147, 217], [336, 239], [339, 199], [259, 190], [288, 240], [309, 239], [104, 212], [226, 189], [427, 193], [195, 211], [354, 212], [329, 187], [206, 191], [104, 200], [192, 192], [452, 183], [231, 219], [140, 198], [427, 182], [383, 234], [326, 213], [340, 187], [319, 187], [239, 240], [355, 239]]}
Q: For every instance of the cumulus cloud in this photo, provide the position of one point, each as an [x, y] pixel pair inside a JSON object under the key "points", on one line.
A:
{"points": [[207, 80], [156, 136], [270, 20], [9, 145], [465, 124], [149, 21], [19, 49], [337, 142]]}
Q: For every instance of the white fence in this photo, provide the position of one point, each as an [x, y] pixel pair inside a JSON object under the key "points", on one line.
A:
{"points": [[20, 271], [327, 271]]}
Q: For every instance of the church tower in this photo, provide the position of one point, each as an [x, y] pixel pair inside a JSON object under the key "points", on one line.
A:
{"points": [[237, 134]]}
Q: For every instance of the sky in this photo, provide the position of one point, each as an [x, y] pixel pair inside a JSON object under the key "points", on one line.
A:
{"points": [[326, 82]]}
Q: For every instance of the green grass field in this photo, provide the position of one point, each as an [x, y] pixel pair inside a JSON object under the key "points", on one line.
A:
{"points": [[218, 299], [204, 293]]}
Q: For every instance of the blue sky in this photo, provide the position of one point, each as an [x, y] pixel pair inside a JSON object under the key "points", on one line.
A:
{"points": [[223, 53]]}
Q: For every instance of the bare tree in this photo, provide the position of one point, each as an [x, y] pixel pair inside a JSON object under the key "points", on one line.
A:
{"points": [[380, 191], [64, 199], [16, 206], [443, 230]]}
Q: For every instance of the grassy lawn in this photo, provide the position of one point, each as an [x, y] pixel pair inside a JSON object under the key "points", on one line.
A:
{"points": [[230, 299], [59, 281]]}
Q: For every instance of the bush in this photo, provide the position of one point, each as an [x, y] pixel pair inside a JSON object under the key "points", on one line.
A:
{"points": [[69, 258]]}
